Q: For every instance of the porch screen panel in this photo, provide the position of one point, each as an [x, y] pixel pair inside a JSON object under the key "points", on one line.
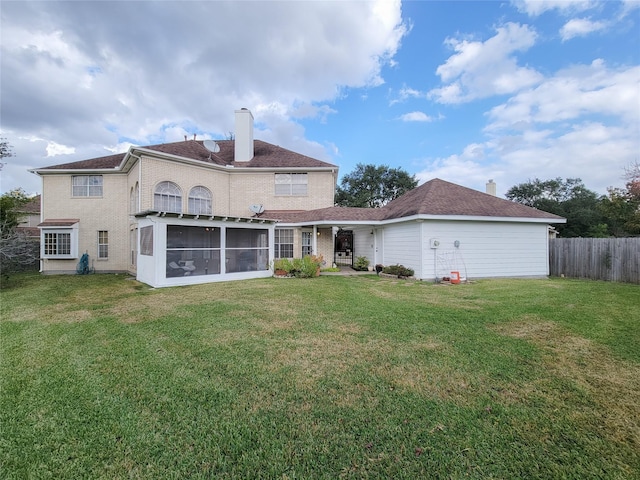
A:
{"points": [[146, 241], [247, 250], [192, 251]]}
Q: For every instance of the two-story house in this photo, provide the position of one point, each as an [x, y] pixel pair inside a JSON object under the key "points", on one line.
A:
{"points": [[184, 212], [202, 211]]}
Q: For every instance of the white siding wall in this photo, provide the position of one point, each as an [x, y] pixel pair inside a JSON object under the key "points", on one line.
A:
{"points": [[363, 244], [402, 246], [487, 249]]}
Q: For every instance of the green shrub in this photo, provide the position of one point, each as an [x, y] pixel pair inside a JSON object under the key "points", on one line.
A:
{"points": [[307, 267], [283, 264], [399, 270], [361, 263]]}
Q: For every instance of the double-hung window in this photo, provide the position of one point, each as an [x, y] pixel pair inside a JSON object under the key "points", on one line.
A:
{"points": [[283, 243], [103, 244], [291, 184], [86, 186]]}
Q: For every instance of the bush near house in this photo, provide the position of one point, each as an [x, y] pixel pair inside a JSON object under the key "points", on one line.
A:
{"points": [[399, 270], [361, 264], [306, 267]]}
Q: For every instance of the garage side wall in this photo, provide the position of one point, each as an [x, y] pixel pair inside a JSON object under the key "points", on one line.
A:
{"points": [[402, 245], [486, 249]]}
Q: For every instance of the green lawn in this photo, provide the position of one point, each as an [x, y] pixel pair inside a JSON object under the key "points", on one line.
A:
{"points": [[331, 377]]}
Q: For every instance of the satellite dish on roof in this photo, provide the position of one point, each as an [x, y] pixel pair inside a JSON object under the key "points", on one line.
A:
{"points": [[256, 208], [212, 146]]}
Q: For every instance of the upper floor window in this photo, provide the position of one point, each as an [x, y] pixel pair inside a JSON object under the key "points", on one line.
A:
{"points": [[291, 184], [86, 185], [167, 198], [200, 201]]}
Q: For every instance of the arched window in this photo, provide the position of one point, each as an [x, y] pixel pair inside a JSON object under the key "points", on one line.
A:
{"points": [[200, 201], [167, 198]]}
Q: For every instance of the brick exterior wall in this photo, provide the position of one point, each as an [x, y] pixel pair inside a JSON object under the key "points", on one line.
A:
{"points": [[233, 190], [110, 213]]}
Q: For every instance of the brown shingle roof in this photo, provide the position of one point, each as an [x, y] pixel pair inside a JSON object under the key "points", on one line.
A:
{"points": [[59, 222], [110, 161], [435, 197], [331, 214], [265, 155], [32, 206], [438, 197]]}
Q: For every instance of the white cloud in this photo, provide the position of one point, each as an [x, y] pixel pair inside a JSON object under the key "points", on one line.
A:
{"points": [[406, 93], [538, 7], [467, 168], [571, 93], [79, 73], [416, 117], [580, 27], [54, 149], [483, 69], [551, 130]]}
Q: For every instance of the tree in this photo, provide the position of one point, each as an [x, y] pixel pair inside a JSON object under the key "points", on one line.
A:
{"points": [[10, 215], [621, 207], [568, 198], [16, 250], [373, 186], [5, 151]]}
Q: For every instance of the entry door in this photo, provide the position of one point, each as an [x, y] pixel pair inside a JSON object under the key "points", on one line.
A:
{"points": [[343, 249]]}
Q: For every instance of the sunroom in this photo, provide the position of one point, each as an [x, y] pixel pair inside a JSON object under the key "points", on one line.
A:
{"points": [[179, 249]]}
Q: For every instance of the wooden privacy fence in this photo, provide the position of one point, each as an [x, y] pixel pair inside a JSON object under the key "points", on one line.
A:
{"points": [[612, 259]]}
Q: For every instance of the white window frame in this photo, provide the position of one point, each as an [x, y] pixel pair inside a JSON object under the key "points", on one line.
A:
{"points": [[86, 186], [307, 243], [73, 245], [291, 184], [103, 244], [167, 197], [280, 240], [200, 201]]}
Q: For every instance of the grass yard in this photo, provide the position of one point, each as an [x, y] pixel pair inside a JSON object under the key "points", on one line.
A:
{"points": [[331, 377]]}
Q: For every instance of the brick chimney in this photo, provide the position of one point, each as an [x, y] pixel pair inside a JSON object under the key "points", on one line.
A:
{"points": [[244, 135], [492, 188]]}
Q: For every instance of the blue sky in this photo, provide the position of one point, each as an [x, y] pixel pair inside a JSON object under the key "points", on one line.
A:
{"points": [[463, 91]]}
